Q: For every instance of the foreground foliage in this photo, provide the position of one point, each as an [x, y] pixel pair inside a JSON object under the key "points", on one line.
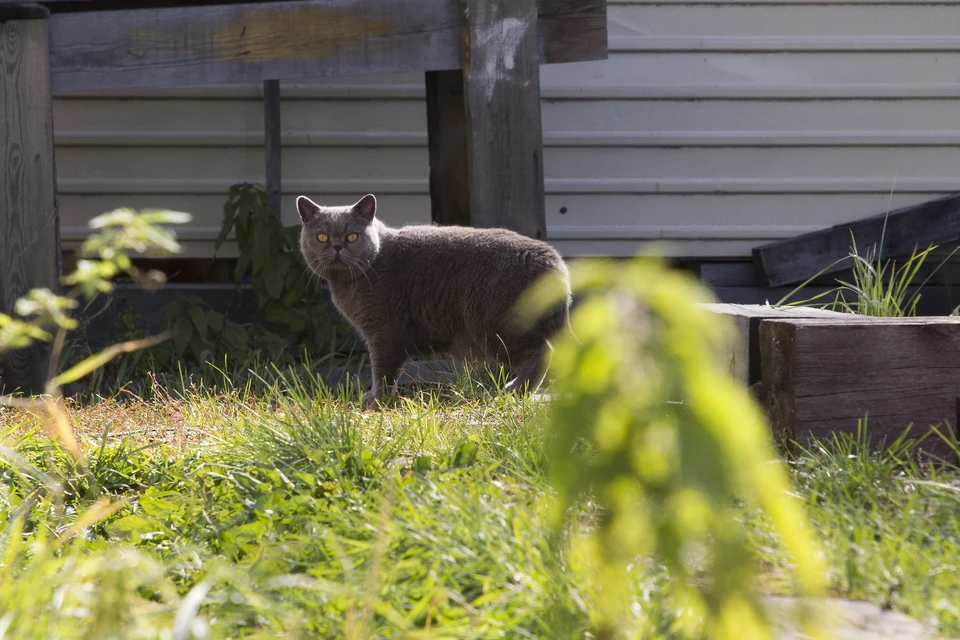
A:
{"points": [[288, 513]]}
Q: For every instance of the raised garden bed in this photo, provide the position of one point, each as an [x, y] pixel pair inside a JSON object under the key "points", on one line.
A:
{"points": [[818, 372]]}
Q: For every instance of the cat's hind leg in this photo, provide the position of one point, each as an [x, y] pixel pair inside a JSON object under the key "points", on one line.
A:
{"points": [[528, 367], [385, 364]]}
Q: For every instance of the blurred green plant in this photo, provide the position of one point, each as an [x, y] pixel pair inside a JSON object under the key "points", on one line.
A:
{"points": [[106, 255], [46, 316], [648, 423]]}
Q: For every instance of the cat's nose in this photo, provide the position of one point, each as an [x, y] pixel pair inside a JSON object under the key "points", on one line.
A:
{"points": [[337, 247]]}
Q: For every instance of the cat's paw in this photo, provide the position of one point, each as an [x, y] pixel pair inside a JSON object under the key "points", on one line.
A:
{"points": [[371, 400]]}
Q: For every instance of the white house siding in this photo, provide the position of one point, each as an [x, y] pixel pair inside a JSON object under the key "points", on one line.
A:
{"points": [[714, 127]]}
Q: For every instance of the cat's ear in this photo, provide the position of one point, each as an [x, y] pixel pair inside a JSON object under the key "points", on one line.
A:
{"points": [[307, 208], [367, 206]]}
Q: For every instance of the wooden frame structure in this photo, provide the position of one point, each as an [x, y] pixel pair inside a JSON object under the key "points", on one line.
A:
{"points": [[820, 372], [480, 58]]}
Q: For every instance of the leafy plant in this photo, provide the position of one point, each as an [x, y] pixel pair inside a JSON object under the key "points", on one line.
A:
{"points": [[648, 422], [293, 320], [270, 256]]}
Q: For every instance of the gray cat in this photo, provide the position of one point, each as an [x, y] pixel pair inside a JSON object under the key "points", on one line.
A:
{"points": [[421, 290]]}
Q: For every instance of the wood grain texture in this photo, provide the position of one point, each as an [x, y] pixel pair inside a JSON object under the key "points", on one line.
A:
{"points": [[180, 46], [504, 134], [272, 143], [901, 231], [29, 229], [446, 137], [822, 376], [573, 30], [746, 318]]}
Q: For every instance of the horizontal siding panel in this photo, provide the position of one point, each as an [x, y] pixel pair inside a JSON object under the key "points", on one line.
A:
{"points": [[200, 123], [887, 165], [773, 71], [239, 163], [763, 216], [696, 22], [945, 138], [347, 187]]}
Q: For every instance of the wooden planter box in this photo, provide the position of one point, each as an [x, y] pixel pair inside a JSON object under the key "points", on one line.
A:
{"points": [[818, 372]]}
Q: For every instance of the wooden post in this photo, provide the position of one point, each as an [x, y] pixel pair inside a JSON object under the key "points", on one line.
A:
{"points": [[29, 222], [447, 131], [272, 143], [488, 149]]}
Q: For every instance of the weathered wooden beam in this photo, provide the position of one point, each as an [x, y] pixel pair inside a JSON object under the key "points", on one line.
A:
{"points": [[821, 376], [572, 30], [798, 259], [179, 46], [447, 135], [29, 223], [744, 354], [504, 135], [272, 143]]}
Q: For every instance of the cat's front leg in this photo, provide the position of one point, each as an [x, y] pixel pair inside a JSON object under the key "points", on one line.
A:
{"points": [[385, 364]]}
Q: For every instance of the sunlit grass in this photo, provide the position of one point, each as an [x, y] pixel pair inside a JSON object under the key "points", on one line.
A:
{"points": [[284, 510]]}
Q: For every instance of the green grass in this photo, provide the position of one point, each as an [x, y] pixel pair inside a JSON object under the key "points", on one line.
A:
{"points": [[293, 513], [283, 511]]}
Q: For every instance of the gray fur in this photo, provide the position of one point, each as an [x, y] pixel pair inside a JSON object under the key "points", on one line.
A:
{"points": [[422, 290]]}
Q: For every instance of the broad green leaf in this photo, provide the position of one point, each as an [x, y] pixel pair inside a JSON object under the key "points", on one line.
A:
{"points": [[274, 278], [243, 265], [160, 504], [260, 252], [199, 319]]}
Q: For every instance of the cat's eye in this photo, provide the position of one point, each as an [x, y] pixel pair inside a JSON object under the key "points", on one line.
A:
{"points": [[352, 237], [322, 237]]}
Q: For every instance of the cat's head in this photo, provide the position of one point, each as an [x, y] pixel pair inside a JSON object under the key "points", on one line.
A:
{"points": [[339, 240]]}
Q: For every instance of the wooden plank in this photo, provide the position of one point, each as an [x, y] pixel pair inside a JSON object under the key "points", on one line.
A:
{"points": [[573, 30], [250, 43], [29, 227], [272, 143], [447, 135], [21, 11], [744, 354], [797, 259], [504, 134], [822, 376], [180, 46]]}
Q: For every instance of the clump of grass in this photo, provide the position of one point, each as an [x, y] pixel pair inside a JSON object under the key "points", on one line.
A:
{"points": [[889, 524], [878, 288]]}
